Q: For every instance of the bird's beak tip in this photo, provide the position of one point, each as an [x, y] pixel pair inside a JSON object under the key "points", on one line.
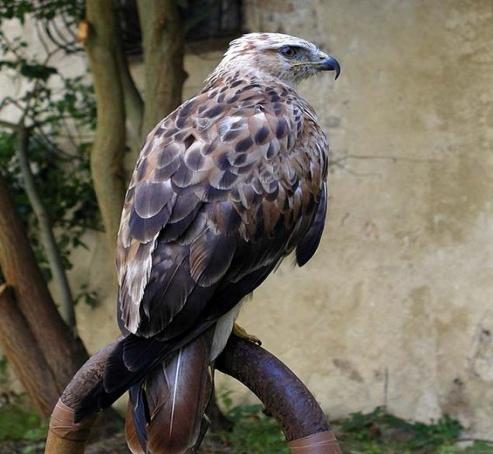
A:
{"points": [[331, 64]]}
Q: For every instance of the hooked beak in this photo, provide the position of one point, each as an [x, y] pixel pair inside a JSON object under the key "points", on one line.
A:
{"points": [[329, 63]]}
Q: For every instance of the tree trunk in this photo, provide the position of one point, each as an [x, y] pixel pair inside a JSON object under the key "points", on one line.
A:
{"points": [[163, 29], [24, 355], [63, 353], [163, 40], [106, 60]]}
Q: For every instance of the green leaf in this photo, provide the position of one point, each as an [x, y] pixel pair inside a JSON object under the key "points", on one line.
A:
{"points": [[37, 71]]}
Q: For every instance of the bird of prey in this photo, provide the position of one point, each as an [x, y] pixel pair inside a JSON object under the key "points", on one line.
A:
{"points": [[224, 188]]}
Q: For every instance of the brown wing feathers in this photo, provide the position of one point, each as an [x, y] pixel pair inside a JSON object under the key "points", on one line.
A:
{"points": [[224, 188], [211, 153]]}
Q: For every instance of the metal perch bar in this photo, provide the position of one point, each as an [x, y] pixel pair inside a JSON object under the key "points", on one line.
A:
{"points": [[64, 435], [283, 394]]}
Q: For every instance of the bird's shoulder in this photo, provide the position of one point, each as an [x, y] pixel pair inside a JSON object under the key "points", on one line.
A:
{"points": [[213, 141]]}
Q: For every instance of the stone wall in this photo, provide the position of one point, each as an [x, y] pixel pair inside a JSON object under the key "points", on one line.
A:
{"points": [[396, 307]]}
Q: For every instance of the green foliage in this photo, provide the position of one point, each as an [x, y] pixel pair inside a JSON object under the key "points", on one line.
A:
{"points": [[60, 113], [41, 9], [478, 447], [253, 432], [3, 370], [66, 189], [87, 296], [19, 422], [29, 70], [379, 432], [377, 424], [376, 432]]}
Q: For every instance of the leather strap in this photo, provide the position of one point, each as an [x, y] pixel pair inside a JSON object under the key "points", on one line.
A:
{"points": [[319, 443], [63, 426]]}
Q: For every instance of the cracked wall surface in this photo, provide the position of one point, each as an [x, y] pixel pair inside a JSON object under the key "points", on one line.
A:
{"points": [[396, 307]]}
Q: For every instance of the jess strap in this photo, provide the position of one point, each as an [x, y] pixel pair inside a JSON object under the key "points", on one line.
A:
{"points": [[319, 443]]}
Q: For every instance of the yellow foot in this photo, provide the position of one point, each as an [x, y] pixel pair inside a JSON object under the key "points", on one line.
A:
{"points": [[240, 332]]}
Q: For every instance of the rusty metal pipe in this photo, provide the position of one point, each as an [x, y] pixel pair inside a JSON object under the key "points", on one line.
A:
{"points": [[285, 397]]}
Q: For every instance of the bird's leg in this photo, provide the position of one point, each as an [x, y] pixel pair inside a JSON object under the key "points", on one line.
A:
{"points": [[240, 332]]}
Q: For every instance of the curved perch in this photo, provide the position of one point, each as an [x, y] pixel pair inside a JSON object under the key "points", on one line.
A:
{"points": [[64, 435], [283, 394]]}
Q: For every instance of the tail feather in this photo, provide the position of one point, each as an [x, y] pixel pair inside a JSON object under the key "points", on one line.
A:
{"points": [[140, 411], [131, 360], [176, 394], [127, 365]]}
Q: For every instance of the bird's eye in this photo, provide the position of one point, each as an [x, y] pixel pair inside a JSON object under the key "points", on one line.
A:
{"points": [[288, 51]]}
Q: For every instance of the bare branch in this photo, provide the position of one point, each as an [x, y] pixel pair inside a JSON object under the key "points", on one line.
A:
{"points": [[46, 232], [9, 125]]}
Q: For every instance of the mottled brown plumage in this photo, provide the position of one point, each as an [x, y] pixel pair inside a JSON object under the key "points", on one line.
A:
{"points": [[225, 187], [247, 174]]}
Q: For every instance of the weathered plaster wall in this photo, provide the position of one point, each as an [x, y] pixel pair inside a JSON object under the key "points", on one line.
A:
{"points": [[396, 307]]}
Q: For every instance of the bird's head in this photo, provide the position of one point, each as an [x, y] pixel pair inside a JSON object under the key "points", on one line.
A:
{"points": [[286, 57]]}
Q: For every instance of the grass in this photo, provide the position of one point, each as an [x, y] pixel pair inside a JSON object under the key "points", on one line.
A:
{"points": [[253, 432], [21, 430], [377, 432]]}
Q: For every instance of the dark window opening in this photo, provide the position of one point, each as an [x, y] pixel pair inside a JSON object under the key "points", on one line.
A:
{"points": [[210, 24]]}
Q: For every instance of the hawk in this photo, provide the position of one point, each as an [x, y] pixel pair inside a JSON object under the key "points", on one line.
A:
{"points": [[225, 187]]}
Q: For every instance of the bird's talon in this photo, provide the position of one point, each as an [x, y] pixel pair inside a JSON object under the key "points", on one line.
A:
{"points": [[241, 332]]}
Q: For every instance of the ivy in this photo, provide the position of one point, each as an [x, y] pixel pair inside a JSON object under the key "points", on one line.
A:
{"points": [[60, 114]]}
